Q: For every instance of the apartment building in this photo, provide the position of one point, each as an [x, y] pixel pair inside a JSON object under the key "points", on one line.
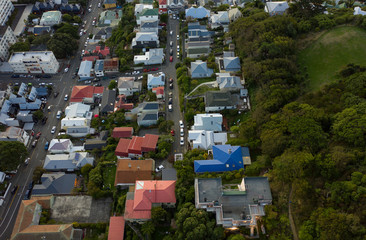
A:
{"points": [[6, 8], [7, 38], [34, 62]]}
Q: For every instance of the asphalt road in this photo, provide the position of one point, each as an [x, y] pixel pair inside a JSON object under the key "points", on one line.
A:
{"points": [[62, 83]]}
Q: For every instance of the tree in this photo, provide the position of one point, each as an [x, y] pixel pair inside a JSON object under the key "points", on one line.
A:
{"points": [[68, 29], [20, 47], [12, 154], [112, 84], [66, 17], [158, 214], [62, 45], [164, 18], [306, 9], [31, 17], [95, 176], [38, 114], [148, 228], [85, 170]]}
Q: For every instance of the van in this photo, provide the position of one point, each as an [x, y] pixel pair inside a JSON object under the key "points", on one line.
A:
{"points": [[58, 115]]}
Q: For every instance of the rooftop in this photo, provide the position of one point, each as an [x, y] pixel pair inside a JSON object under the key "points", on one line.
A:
{"points": [[40, 55], [129, 171]]}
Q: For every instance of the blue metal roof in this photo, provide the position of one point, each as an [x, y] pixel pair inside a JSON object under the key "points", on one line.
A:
{"points": [[226, 158]]}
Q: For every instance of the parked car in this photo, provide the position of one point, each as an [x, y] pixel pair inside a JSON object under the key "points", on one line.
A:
{"points": [[171, 59], [181, 124], [15, 76], [26, 162], [171, 44], [170, 94], [55, 94], [146, 70], [66, 97], [14, 189], [53, 130], [38, 135], [158, 169], [171, 85], [46, 76], [170, 101], [97, 85], [170, 107], [30, 185], [27, 195], [99, 5], [177, 37], [34, 143], [170, 80], [182, 132], [172, 132], [171, 32], [181, 141], [46, 146], [44, 120], [171, 52], [89, 10]]}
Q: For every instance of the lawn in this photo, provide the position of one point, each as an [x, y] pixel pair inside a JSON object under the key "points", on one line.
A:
{"points": [[332, 50], [109, 173]]}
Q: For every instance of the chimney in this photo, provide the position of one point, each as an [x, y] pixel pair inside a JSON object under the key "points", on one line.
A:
{"points": [[138, 167], [129, 165], [229, 150]]}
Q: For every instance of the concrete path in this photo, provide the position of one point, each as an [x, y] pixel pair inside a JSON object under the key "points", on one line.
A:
{"points": [[202, 84], [21, 24]]}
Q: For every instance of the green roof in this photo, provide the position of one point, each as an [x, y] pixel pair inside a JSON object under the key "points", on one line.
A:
{"points": [[147, 1], [148, 12]]}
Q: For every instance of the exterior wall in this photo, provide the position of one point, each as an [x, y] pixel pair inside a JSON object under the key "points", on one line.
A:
{"points": [[6, 8], [216, 109], [147, 123], [35, 65], [127, 91], [147, 18], [144, 44], [6, 41]]}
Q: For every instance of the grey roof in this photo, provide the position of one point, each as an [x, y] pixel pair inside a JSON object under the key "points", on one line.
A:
{"points": [[149, 24], [220, 99], [276, 6], [108, 99], [150, 106], [99, 65], [77, 130], [67, 161], [149, 116], [91, 144], [59, 144], [198, 50], [103, 135], [55, 183], [198, 67], [232, 63]]}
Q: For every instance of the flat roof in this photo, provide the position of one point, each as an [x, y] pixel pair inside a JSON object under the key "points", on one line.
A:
{"points": [[19, 56]]}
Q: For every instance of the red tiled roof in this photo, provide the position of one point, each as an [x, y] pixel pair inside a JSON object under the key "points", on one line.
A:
{"points": [[122, 132], [158, 90], [149, 143], [121, 103], [162, 2], [90, 58], [116, 228], [122, 147], [135, 145], [81, 92], [104, 51], [132, 214], [111, 64]]}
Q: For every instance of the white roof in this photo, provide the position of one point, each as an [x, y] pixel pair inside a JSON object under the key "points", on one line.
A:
{"points": [[221, 16], [19, 56], [85, 67], [74, 122], [208, 121], [146, 36], [76, 110], [51, 16], [206, 139], [358, 11], [276, 6]]}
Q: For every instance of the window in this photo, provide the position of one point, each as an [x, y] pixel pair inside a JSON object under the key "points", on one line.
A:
{"points": [[227, 165]]}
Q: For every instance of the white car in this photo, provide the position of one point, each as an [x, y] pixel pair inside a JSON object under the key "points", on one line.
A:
{"points": [[53, 130], [178, 48], [171, 32], [181, 124], [158, 169], [83, 52], [66, 70], [89, 9], [66, 97], [81, 33], [26, 162], [177, 37], [170, 107], [182, 132], [181, 141], [99, 5], [86, 44], [93, 23]]}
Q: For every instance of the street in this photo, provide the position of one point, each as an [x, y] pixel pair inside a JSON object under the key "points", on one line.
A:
{"points": [[62, 83]]}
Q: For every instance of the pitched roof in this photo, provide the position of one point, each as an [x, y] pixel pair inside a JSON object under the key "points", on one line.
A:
{"points": [[136, 145], [149, 142], [122, 147], [129, 171], [59, 144], [199, 67], [274, 7], [81, 92], [55, 183], [199, 12], [122, 132], [90, 58], [225, 158], [108, 99], [231, 63], [116, 228], [94, 143], [219, 99]]}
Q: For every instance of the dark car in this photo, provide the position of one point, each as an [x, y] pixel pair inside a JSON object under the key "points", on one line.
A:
{"points": [[27, 195], [171, 52], [44, 120], [170, 80], [171, 86], [30, 186], [14, 189], [38, 75], [15, 76], [55, 94], [97, 85], [46, 76]]}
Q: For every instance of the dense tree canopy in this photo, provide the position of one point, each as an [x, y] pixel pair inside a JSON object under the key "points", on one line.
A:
{"points": [[62, 45], [12, 154]]}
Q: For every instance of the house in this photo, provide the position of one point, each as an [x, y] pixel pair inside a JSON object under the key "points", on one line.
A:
{"points": [[55, 183], [85, 93], [234, 205], [276, 8], [176, 4], [40, 7], [122, 132], [146, 195], [145, 40], [85, 68], [111, 65], [34, 62], [203, 139], [143, 108], [99, 68], [234, 13], [225, 158], [107, 104], [358, 11], [15, 134], [217, 101], [127, 86], [226, 81], [108, 4], [76, 127], [155, 80], [116, 228], [89, 58], [153, 56], [110, 18], [78, 110], [147, 14], [51, 18], [103, 34], [199, 69], [7, 8], [136, 146], [67, 162], [208, 122], [94, 143], [121, 103], [129, 171], [60, 146], [102, 51], [27, 225], [139, 7], [197, 13], [7, 38], [159, 91], [228, 63], [147, 119], [163, 7], [197, 52], [149, 26], [221, 19]]}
